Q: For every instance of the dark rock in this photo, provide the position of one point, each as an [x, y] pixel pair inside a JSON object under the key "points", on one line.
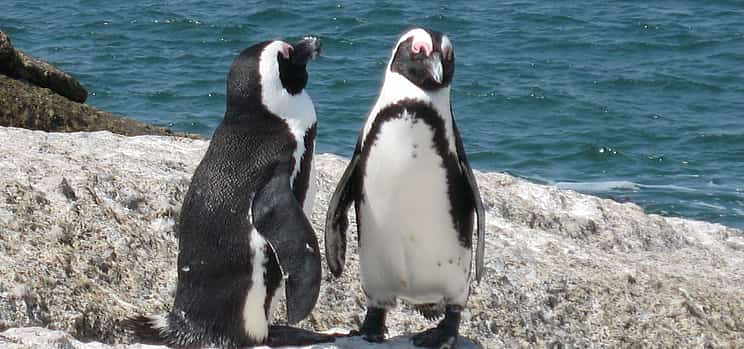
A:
{"points": [[67, 190], [38, 96], [26, 106], [16, 64]]}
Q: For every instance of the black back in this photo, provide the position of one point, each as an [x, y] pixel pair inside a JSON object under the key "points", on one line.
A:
{"points": [[250, 150], [214, 260], [243, 83]]}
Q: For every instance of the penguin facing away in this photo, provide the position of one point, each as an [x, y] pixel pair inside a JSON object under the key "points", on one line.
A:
{"points": [[242, 229], [414, 194]]}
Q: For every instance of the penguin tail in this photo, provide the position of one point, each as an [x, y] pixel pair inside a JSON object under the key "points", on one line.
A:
{"points": [[148, 329], [430, 311]]}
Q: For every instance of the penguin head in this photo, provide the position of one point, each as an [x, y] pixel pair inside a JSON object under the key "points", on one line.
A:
{"points": [[269, 69], [425, 57]]}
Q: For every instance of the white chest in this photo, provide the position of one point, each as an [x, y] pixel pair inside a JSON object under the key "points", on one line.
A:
{"points": [[408, 243]]}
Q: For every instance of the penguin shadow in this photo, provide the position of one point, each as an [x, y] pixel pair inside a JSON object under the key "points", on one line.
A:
{"points": [[357, 342], [399, 342], [344, 341]]}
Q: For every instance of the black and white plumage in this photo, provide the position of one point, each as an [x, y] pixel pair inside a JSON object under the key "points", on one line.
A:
{"points": [[415, 195], [242, 230]]}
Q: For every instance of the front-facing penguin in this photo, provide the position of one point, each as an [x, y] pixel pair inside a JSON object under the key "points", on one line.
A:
{"points": [[242, 230], [415, 196]]}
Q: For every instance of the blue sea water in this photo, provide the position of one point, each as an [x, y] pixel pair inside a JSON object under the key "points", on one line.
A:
{"points": [[638, 101]]}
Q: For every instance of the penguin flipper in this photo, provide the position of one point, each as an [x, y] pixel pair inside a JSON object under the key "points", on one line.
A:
{"points": [[477, 203], [279, 217], [337, 219]]}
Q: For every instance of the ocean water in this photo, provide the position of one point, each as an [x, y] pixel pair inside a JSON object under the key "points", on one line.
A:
{"points": [[636, 101]]}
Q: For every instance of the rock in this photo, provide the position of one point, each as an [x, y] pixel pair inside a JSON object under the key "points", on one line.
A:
{"points": [[31, 107], [37, 337], [16, 64], [38, 96], [86, 238]]}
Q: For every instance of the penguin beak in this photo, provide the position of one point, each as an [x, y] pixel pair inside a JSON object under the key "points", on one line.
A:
{"points": [[434, 67], [305, 50]]}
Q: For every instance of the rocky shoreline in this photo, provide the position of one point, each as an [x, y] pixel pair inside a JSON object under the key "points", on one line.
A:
{"points": [[87, 238], [38, 96]]}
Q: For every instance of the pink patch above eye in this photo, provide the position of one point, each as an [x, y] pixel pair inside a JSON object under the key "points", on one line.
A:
{"points": [[420, 45], [285, 49]]}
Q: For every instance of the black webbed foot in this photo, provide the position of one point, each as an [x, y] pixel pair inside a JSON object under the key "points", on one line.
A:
{"points": [[444, 336], [373, 327]]}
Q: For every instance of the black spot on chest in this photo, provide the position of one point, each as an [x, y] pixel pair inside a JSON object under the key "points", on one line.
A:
{"points": [[458, 191]]}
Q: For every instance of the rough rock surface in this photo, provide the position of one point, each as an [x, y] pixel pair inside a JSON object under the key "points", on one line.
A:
{"points": [[86, 238], [16, 64]]}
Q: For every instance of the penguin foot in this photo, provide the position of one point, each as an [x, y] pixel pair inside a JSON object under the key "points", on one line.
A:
{"points": [[444, 336], [283, 336], [373, 327]]}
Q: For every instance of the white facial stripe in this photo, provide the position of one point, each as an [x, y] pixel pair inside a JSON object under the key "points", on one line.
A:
{"points": [[268, 67], [296, 110], [446, 47]]}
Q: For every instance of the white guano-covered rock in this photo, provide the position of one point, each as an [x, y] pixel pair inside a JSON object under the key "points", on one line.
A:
{"points": [[87, 238]]}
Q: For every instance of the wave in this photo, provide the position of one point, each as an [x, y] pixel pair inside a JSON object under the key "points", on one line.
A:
{"points": [[598, 187], [693, 196], [670, 187], [708, 205]]}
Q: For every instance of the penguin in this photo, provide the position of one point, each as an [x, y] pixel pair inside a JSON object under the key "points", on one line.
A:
{"points": [[243, 232], [414, 194]]}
